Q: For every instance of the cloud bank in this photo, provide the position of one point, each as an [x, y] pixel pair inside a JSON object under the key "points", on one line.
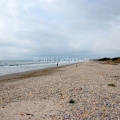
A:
{"points": [[82, 28]]}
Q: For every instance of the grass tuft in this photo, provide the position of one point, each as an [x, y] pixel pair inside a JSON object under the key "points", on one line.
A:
{"points": [[113, 85], [71, 101]]}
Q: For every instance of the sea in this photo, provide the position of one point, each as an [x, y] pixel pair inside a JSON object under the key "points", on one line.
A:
{"points": [[16, 66]]}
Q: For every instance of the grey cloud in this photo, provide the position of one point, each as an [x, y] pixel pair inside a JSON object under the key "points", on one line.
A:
{"points": [[50, 27]]}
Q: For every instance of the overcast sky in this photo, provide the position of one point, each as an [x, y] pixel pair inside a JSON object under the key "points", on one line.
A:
{"points": [[82, 28]]}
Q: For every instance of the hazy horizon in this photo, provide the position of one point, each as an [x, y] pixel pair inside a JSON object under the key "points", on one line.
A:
{"points": [[63, 28]]}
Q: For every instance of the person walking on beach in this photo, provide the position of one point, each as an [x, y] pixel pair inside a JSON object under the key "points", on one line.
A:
{"points": [[57, 64]]}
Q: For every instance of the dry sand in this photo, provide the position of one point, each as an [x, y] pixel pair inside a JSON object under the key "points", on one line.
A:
{"points": [[45, 94]]}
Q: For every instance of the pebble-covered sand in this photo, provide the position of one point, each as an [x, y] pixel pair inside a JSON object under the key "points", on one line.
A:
{"points": [[48, 97]]}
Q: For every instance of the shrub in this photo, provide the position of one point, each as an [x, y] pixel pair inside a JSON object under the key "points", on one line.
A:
{"points": [[116, 58], [104, 59]]}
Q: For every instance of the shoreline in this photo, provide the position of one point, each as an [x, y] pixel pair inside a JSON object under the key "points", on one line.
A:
{"points": [[31, 73], [78, 91]]}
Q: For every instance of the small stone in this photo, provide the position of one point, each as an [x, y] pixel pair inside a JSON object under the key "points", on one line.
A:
{"points": [[66, 116]]}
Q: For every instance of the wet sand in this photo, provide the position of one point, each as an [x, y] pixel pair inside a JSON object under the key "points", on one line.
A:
{"points": [[29, 74]]}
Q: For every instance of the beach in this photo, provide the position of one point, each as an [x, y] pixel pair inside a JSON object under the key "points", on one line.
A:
{"points": [[81, 91]]}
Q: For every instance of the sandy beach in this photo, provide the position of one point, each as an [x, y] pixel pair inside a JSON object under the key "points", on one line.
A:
{"points": [[82, 91]]}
